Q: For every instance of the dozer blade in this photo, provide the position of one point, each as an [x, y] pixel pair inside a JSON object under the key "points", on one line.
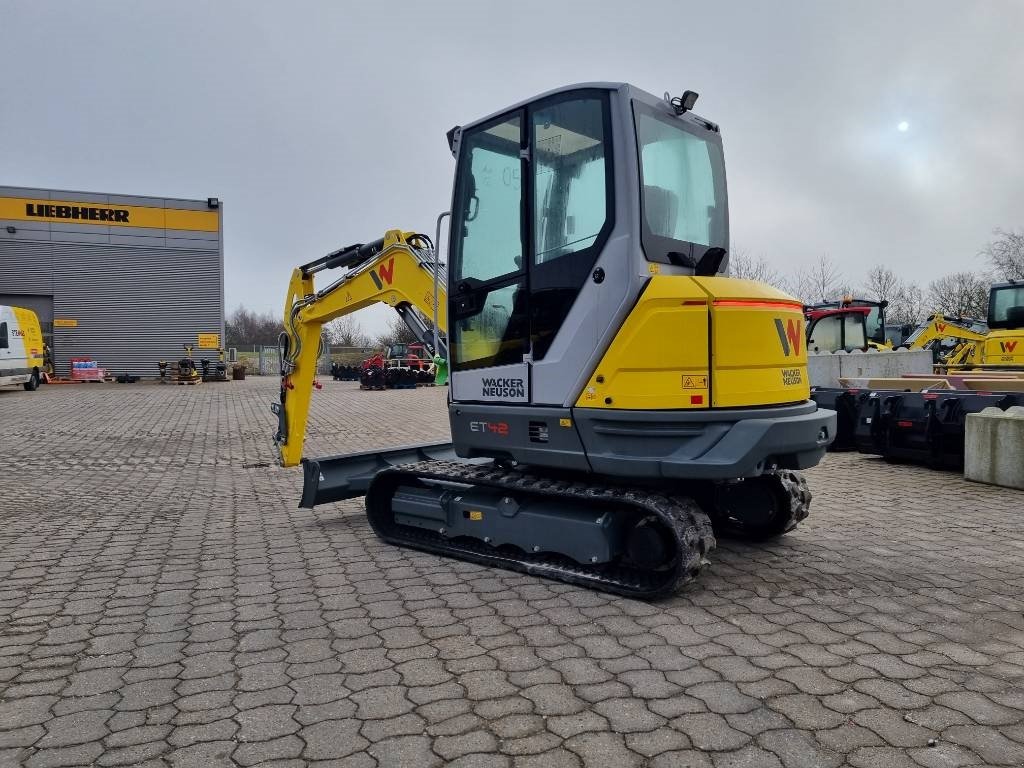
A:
{"points": [[333, 478]]}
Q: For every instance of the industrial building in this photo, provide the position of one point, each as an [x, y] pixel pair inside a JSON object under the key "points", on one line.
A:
{"points": [[125, 281]]}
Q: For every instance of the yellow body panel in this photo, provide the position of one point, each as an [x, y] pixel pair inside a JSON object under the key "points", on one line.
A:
{"points": [[661, 358], [1003, 347], [31, 336], [758, 341]]}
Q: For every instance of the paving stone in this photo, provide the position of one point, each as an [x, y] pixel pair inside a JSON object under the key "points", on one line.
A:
{"points": [[980, 708], [798, 749], [603, 750], [405, 750], [986, 742], [891, 726], [332, 739], [723, 698], [78, 728], [653, 743], [80, 754], [748, 757], [710, 731]]}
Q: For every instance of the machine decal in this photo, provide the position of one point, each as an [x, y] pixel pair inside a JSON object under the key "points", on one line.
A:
{"points": [[1007, 346], [789, 335], [695, 382], [499, 428], [387, 273], [503, 387], [792, 377]]}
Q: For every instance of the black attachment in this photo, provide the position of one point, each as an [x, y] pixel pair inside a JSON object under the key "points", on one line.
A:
{"points": [[685, 102], [710, 263], [350, 256]]}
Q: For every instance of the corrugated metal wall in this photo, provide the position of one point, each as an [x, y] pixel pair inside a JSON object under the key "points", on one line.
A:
{"points": [[137, 295]]}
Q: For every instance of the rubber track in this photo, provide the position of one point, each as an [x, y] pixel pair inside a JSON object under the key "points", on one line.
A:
{"points": [[796, 491], [690, 526]]}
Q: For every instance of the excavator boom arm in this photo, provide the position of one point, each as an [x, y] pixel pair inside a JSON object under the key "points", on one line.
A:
{"points": [[396, 270], [938, 327]]}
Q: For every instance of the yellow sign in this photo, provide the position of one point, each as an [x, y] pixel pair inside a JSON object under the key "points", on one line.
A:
{"points": [[695, 382], [106, 214], [208, 341], [476, 514], [61, 322]]}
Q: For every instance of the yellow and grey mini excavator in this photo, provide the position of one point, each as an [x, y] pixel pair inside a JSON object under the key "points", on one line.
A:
{"points": [[999, 348], [611, 396]]}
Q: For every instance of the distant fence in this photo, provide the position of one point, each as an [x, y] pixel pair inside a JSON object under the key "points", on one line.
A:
{"points": [[264, 360]]}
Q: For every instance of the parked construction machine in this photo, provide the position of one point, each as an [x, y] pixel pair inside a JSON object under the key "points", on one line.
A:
{"points": [[1001, 347], [612, 397], [874, 318], [831, 329]]}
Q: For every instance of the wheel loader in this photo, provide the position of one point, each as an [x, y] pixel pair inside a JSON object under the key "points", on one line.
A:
{"points": [[614, 401]]}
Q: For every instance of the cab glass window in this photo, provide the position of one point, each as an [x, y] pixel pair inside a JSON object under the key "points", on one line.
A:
{"points": [[572, 205], [853, 333], [1006, 308], [488, 304], [827, 334], [489, 197], [3, 336], [683, 192]]}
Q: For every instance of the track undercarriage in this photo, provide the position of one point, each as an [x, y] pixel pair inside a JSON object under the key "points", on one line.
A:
{"points": [[639, 541]]}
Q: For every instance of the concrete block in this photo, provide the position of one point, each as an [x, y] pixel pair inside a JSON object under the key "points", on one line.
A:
{"points": [[825, 369], [994, 447]]}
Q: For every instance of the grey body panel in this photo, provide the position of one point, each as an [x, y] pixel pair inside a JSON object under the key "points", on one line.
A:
{"points": [[712, 444], [650, 445], [477, 431], [533, 525], [495, 384]]}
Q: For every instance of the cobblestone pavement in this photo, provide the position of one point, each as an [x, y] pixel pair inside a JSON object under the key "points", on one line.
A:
{"points": [[164, 602]]}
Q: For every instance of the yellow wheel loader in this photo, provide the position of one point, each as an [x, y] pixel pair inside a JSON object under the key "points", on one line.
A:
{"points": [[612, 398]]}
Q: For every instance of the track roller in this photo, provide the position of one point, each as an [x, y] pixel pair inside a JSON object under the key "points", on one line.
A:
{"points": [[761, 508]]}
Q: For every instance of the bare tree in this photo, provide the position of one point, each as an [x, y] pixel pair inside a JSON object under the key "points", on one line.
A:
{"points": [[745, 266], [882, 284], [907, 306], [822, 281], [962, 294], [1006, 254], [346, 332], [906, 300], [244, 327], [397, 333]]}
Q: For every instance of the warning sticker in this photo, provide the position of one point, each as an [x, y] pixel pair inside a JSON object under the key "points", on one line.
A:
{"points": [[695, 382], [476, 514]]}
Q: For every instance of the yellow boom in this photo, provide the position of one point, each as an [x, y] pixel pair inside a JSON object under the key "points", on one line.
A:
{"points": [[397, 270]]}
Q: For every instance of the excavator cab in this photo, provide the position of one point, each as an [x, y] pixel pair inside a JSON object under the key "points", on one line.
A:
{"points": [[612, 393], [1006, 306]]}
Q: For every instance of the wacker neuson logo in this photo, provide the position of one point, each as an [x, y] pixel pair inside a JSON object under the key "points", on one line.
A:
{"points": [[507, 388], [81, 212]]}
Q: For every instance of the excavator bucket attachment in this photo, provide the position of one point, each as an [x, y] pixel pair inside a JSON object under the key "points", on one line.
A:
{"points": [[333, 478]]}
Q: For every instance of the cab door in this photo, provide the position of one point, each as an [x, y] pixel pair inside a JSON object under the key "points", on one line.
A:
{"points": [[488, 315], [533, 208]]}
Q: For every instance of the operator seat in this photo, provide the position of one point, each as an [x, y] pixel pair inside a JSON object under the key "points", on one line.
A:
{"points": [[661, 207]]}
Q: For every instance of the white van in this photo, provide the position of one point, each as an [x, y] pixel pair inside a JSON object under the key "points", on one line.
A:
{"points": [[21, 347]]}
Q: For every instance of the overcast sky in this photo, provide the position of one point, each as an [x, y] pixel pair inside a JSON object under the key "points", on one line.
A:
{"points": [[320, 124]]}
